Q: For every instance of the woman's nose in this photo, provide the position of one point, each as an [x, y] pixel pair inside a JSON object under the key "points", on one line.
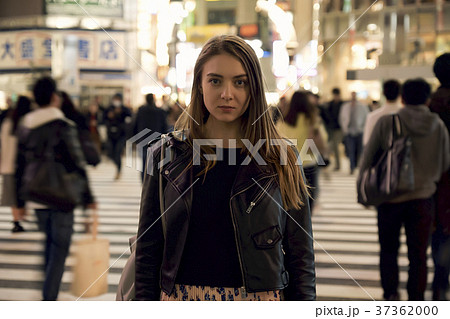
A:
{"points": [[227, 92]]}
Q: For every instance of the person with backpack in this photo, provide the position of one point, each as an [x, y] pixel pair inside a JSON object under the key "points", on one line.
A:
{"points": [[47, 136], [430, 154]]}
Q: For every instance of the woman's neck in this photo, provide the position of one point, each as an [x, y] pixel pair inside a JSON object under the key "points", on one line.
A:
{"points": [[225, 132]]}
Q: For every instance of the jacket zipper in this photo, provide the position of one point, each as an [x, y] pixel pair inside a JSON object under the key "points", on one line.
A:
{"points": [[236, 239], [258, 197]]}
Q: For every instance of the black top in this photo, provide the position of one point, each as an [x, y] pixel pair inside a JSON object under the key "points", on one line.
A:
{"points": [[210, 256]]}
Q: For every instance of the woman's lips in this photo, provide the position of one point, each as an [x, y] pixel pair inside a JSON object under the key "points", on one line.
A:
{"points": [[226, 108]]}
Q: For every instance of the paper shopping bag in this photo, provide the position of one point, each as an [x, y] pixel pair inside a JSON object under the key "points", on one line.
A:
{"points": [[90, 276]]}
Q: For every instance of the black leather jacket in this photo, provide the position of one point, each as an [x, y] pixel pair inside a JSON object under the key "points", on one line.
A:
{"points": [[275, 248]]}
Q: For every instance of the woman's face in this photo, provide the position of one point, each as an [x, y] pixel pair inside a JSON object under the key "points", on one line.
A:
{"points": [[225, 88]]}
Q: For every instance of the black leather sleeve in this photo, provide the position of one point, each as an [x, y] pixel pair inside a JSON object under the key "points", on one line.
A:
{"points": [[150, 240], [299, 259]]}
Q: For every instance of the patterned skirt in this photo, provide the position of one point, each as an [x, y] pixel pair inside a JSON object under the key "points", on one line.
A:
{"points": [[205, 293]]}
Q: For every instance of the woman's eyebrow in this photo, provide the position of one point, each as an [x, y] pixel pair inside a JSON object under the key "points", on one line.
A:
{"points": [[221, 76]]}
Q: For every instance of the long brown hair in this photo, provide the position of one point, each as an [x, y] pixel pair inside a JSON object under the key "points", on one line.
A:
{"points": [[256, 122]]}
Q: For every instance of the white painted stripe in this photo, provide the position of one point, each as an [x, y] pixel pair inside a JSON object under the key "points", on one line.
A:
{"points": [[345, 236], [346, 220], [36, 275], [38, 260], [39, 247], [359, 274], [31, 294]]}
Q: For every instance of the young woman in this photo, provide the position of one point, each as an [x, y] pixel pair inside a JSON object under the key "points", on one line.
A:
{"points": [[302, 122], [8, 161], [232, 229]]}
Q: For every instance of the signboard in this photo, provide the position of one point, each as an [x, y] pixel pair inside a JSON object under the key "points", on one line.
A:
{"points": [[100, 8], [201, 34], [96, 49]]}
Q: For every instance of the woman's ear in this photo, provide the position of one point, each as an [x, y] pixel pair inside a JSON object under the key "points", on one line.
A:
{"points": [[200, 89]]}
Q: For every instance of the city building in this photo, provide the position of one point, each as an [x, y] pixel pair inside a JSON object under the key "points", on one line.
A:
{"points": [[364, 42]]}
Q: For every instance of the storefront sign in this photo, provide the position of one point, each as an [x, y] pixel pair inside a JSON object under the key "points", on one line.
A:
{"points": [[103, 8], [33, 49]]}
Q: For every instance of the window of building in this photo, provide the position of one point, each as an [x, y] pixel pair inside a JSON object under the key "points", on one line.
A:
{"points": [[391, 3], [409, 2], [221, 16], [361, 4]]}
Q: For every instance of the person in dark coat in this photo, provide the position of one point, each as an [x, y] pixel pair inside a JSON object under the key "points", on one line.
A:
{"points": [[45, 130], [118, 117], [330, 116], [152, 118], [440, 242]]}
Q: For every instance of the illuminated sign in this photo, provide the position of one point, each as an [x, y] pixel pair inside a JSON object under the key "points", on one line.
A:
{"points": [[103, 8]]}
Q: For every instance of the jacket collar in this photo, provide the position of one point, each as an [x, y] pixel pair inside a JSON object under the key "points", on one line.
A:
{"points": [[245, 177], [43, 116]]}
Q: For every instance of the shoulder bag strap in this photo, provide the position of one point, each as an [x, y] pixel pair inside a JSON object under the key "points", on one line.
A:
{"points": [[161, 188], [398, 125]]}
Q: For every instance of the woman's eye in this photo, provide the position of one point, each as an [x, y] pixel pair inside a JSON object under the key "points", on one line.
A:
{"points": [[241, 83], [214, 81]]}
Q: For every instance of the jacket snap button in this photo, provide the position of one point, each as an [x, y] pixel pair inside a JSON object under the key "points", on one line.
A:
{"points": [[269, 241], [166, 172]]}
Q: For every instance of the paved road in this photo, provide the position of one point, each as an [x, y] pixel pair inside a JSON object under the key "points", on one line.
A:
{"points": [[345, 241]]}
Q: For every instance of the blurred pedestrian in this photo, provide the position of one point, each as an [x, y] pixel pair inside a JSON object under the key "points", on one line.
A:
{"points": [[352, 119], [176, 109], [430, 153], [149, 117], [331, 121], [374, 105], [440, 243], [118, 117], [89, 148], [94, 118], [391, 90], [227, 238], [46, 133], [281, 110], [8, 166], [302, 122], [9, 107]]}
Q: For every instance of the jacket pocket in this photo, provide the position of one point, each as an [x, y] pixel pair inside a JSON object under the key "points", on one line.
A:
{"points": [[267, 238]]}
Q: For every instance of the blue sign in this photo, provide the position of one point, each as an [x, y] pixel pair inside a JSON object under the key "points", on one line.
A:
{"points": [[108, 50], [83, 49], [47, 43], [7, 50], [27, 49]]}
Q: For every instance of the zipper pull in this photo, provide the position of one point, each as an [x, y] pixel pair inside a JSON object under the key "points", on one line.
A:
{"points": [[243, 292], [249, 209]]}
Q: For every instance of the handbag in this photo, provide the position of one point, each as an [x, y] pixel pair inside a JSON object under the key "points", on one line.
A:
{"points": [[47, 182], [90, 150], [393, 173]]}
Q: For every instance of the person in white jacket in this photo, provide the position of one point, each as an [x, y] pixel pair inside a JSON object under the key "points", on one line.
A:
{"points": [[391, 90], [8, 161], [352, 118]]}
